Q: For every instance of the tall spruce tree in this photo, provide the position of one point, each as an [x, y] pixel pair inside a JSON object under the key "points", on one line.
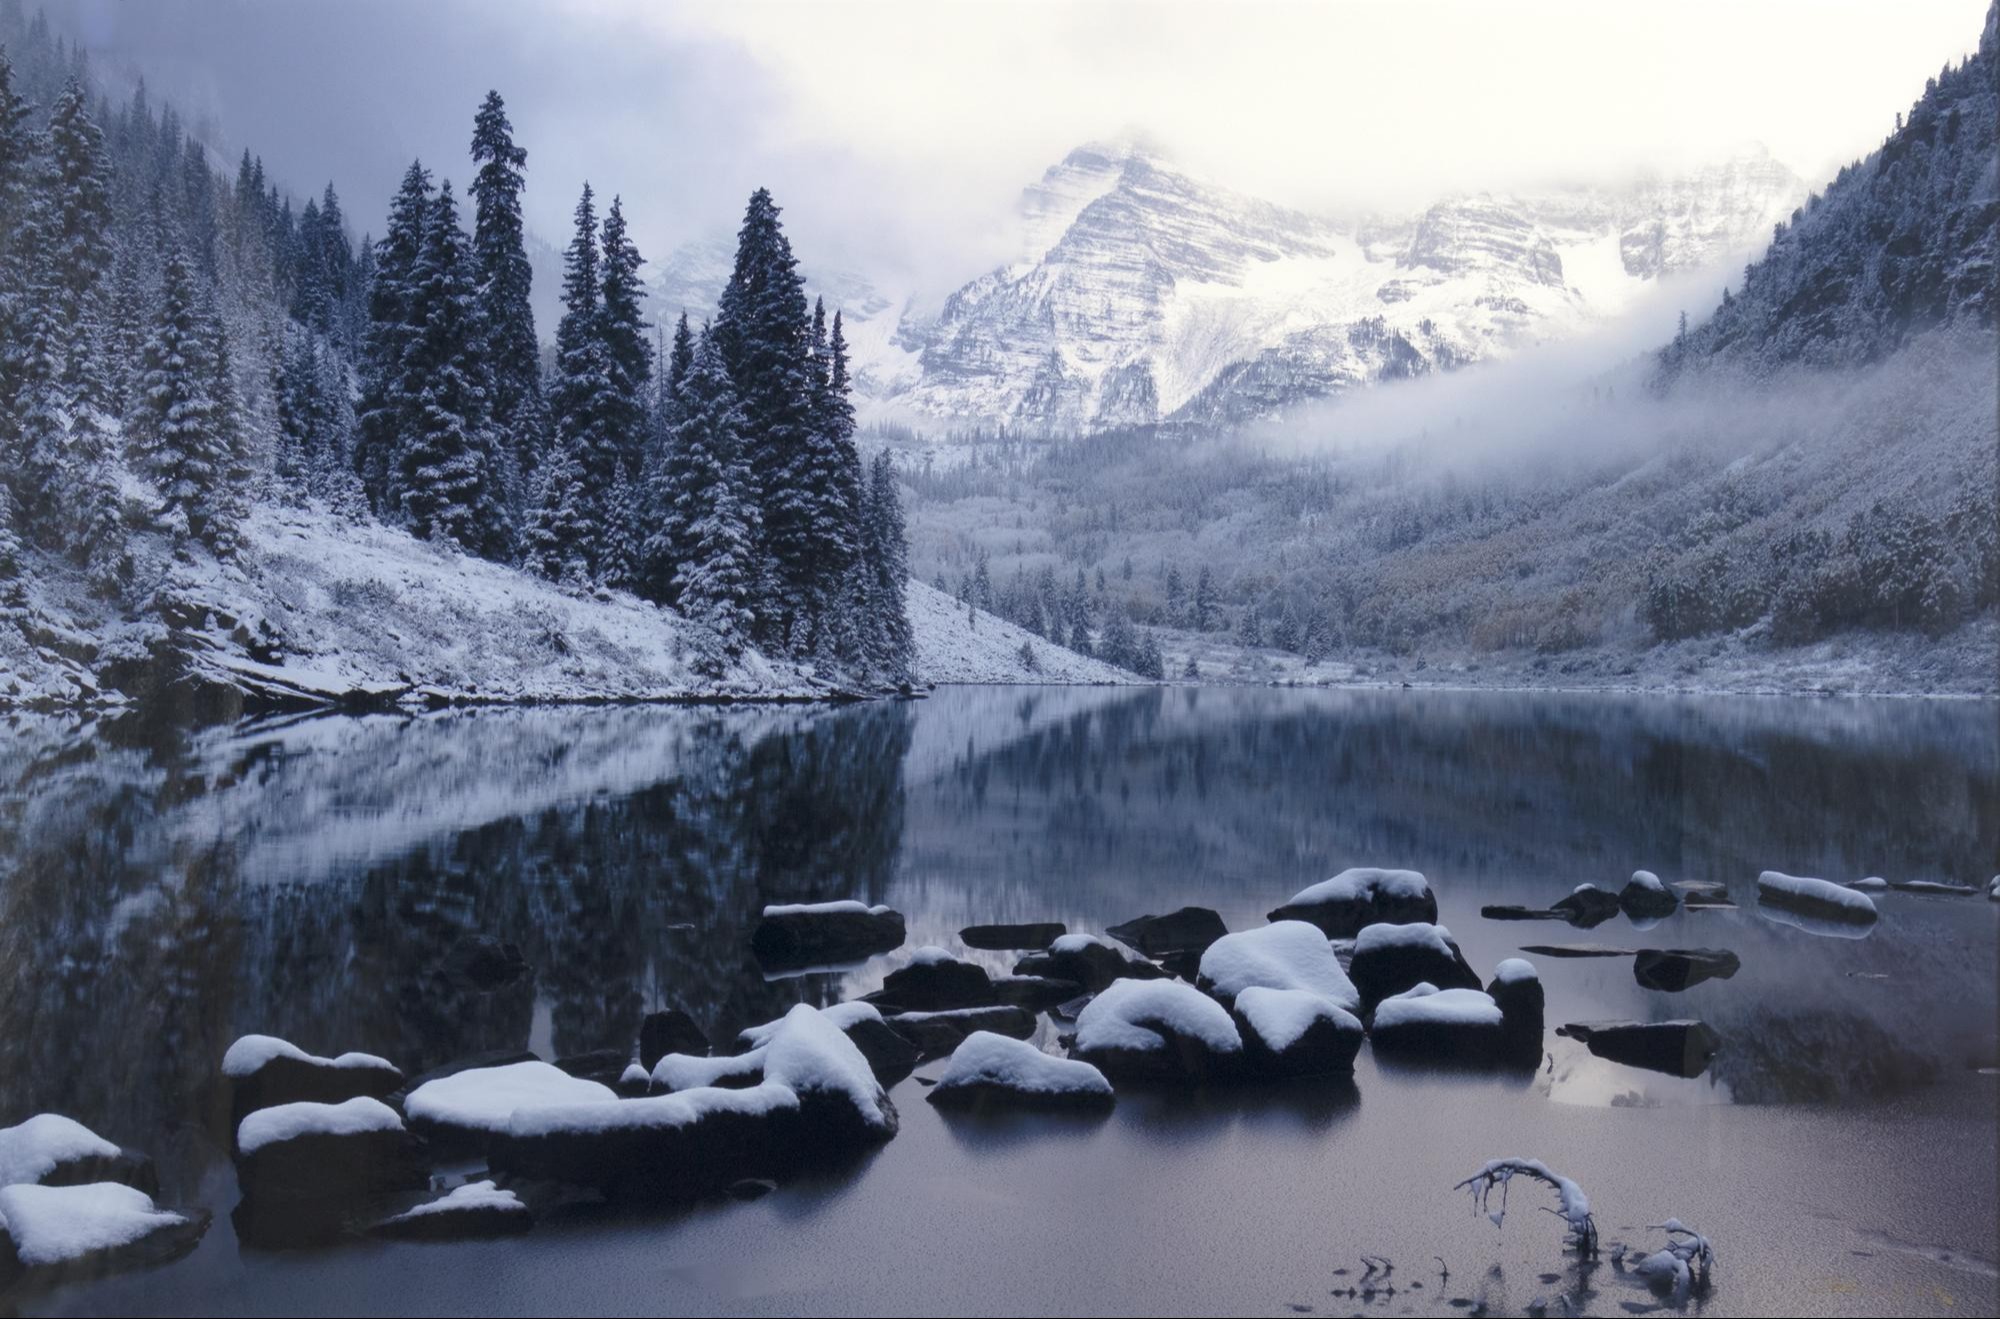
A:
{"points": [[180, 437], [584, 383], [505, 284], [387, 407], [705, 545], [885, 571]]}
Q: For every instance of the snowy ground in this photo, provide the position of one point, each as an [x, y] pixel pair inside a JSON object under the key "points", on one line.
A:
{"points": [[960, 645], [316, 609]]}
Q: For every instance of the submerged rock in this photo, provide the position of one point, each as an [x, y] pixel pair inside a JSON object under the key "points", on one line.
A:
{"points": [[1035, 993], [1516, 989], [52, 1234], [474, 1211], [936, 1034], [1389, 959], [1678, 1048], [1359, 897], [935, 981], [1588, 906], [1189, 930], [1578, 950], [1671, 970], [1450, 1027], [1516, 913], [1012, 938], [1158, 1030], [263, 1071], [989, 1071], [1089, 961], [1294, 1032], [1282, 955], [1703, 893], [1815, 897], [1644, 896], [802, 934], [51, 1150], [669, 1031]]}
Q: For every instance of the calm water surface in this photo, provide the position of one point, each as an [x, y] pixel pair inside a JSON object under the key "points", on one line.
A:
{"points": [[162, 893]]}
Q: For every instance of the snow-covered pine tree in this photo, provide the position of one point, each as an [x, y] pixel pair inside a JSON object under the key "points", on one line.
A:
{"points": [[709, 534], [178, 436], [450, 478], [505, 283], [388, 403], [622, 324], [555, 541], [887, 569], [583, 380]]}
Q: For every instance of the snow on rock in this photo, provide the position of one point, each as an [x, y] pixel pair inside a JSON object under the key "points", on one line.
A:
{"points": [[958, 644], [475, 1210], [1389, 959], [1361, 896], [1281, 955], [1588, 905], [804, 934], [478, 1102], [1517, 991], [312, 1151], [890, 1055], [1459, 1027], [51, 1150], [837, 1089], [264, 1070], [1088, 960], [990, 1070], [97, 1227], [1645, 896], [680, 1071], [1161, 1030], [1815, 897], [1295, 1032], [936, 1034]]}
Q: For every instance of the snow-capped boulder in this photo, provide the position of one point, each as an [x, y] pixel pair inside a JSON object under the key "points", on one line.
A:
{"points": [[263, 1070], [936, 1034], [989, 1071], [1815, 897], [686, 1071], [1282, 955], [327, 1152], [669, 1031], [1588, 905], [1295, 1032], [1362, 896], [1189, 930], [1089, 961], [1012, 938], [1671, 970], [1389, 959], [633, 1082], [1644, 896], [474, 1211], [1157, 1030], [889, 1055], [934, 981], [1035, 993], [841, 1104], [1678, 1048], [49, 1234], [1455, 1027], [1516, 989], [51, 1150], [465, 1110], [802, 934]]}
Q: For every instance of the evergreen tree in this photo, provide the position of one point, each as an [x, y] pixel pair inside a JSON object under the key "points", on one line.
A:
{"points": [[582, 395], [707, 537], [388, 405], [179, 437], [78, 251], [886, 570], [555, 542], [622, 324], [505, 284]]}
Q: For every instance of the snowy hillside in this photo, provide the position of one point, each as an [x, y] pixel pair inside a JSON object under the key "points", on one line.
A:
{"points": [[319, 610], [957, 645]]}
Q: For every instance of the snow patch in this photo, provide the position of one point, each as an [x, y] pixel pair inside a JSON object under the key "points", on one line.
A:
{"points": [[269, 1126]]}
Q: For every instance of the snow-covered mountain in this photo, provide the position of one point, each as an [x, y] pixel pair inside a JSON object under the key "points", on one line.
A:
{"points": [[1143, 293]]}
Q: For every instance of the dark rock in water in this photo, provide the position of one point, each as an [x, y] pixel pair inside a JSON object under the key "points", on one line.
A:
{"points": [[473, 1212], [1070, 1009], [1035, 993], [1389, 959], [1578, 950], [1672, 970], [1012, 938], [1517, 991], [1510, 913], [263, 1070], [993, 1073], [484, 964], [40, 1246], [936, 1034], [1295, 1032], [1645, 896], [1088, 961], [1183, 963], [1816, 898], [751, 1188], [1342, 906], [889, 1055], [1703, 893], [806, 934], [51, 1150], [1678, 1048], [669, 1031], [1191, 929], [1158, 1031], [935, 981], [604, 1066], [327, 1152], [1441, 1028], [1588, 906]]}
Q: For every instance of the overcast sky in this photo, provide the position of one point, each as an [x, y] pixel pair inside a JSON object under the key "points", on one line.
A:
{"points": [[899, 133]]}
